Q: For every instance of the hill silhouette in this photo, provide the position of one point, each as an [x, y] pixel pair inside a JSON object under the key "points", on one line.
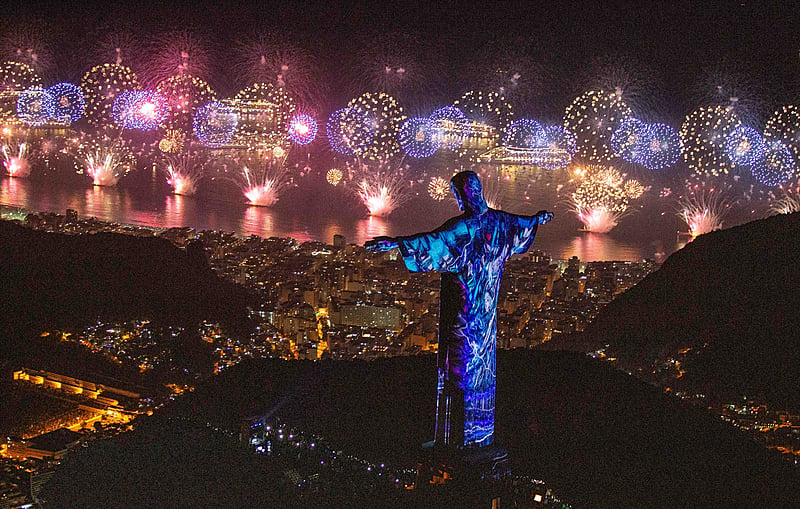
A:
{"points": [[52, 280], [730, 295], [599, 436]]}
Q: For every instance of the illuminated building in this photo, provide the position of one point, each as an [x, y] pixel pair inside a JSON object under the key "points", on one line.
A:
{"points": [[372, 316], [544, 157]]}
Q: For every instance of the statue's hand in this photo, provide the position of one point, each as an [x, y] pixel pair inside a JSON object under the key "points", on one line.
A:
{"points": [[544, 216], [381, 244]]}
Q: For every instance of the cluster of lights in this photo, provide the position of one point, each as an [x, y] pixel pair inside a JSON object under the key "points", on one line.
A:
{"points": [[593, 118], [558, 140], [348, 130], [784, 125], [703, 207], [487, 114], [384, 117], [334, 176], [15, 158], [264, 114], [705, 132], [215, 124], [68, 102], [745, 146], [183, 172], [489, 108], [16, 77], [523, 133], [527, 142], [452, 126], [172, 142], [777, 166], [438, 188], [35, 106], [545, 157], [184, 94], [105, 159], [419, 137], [655, 146], [144, 110], [263, 179], [302, 129], [602, 198], [101, 85]]}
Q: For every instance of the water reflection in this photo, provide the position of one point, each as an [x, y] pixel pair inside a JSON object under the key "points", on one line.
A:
{"points": [[108, 202], [370, 228], [153, 206], [591, 247], [174, 210], [14, 191], [259, 221]]}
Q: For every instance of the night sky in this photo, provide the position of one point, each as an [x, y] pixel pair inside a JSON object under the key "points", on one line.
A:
{"points": [[672, 51]]}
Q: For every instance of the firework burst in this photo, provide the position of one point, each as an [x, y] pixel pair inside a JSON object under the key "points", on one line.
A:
{"points": [[438, 188], [703, 206], [24, 44], [629, 79], [184, 171], [727, 87], [105, 159], [270, 58], [600, 200], [16, 158], [787, 202], [184, 95], [593, 118], [784, 125], [394, 63], [101, 86], [263, 177], [178, 54], [705, 133], [505, 67], [383, 192], [121, 48], [334, 176], [385, 116]]}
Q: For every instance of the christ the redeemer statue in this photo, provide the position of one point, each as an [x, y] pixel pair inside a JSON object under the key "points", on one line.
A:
{"points": [[470, 251]]}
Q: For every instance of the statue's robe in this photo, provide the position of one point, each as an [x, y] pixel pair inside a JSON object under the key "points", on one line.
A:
{"points": [[470, 250]]}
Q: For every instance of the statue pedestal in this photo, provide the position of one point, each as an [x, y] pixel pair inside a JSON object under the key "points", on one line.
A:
{"points": [[440, 465], [476, 477]]}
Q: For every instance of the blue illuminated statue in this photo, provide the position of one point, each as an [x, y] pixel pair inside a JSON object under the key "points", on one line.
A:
{"points": [[470, 250]]}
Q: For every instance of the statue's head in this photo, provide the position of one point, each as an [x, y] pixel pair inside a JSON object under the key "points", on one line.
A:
{"points": [[467, 189]]}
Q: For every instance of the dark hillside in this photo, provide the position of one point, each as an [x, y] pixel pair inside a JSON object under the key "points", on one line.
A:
{"points": [[732, 295]]}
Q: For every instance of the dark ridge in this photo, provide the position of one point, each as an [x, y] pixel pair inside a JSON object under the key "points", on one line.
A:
{"points": [[600, 437], [52, 280], [733, 296]]}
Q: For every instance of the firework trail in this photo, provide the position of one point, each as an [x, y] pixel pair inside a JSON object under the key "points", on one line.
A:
{"points": [[184, 171], [177, 54], [16, 158], [703, 205], [105, 159]]}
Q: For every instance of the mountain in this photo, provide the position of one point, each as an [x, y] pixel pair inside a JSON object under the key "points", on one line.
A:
{"points": [[52, 280], [600, 437], [731, 296]]}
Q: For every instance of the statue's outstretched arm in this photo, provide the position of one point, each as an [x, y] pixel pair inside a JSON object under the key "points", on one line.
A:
{"points": [[381, 244]]}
